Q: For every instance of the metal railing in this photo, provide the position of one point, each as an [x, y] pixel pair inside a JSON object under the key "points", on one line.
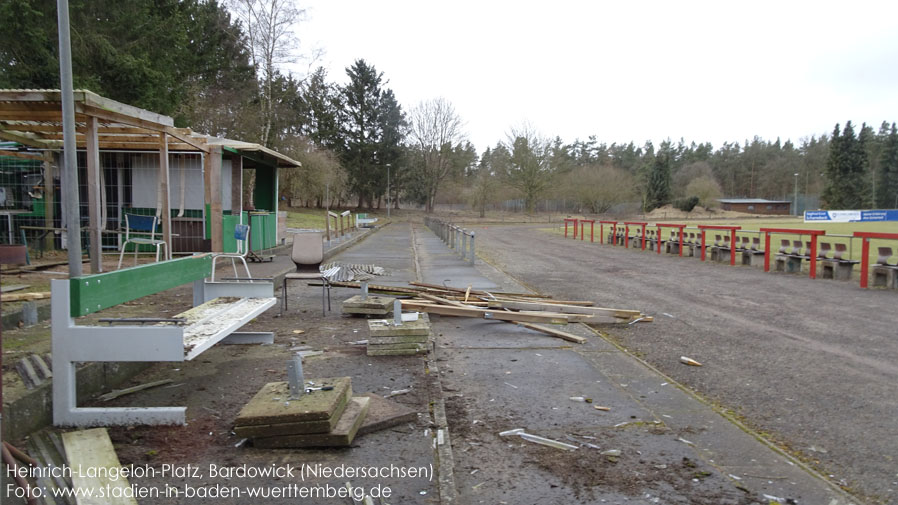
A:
{"points": [[454, 236]]}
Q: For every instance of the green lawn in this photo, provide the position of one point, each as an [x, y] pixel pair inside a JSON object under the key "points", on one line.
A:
{"points": [[306, 218]]}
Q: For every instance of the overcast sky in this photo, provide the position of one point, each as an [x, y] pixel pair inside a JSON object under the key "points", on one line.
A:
{"points": [[624, 70]]}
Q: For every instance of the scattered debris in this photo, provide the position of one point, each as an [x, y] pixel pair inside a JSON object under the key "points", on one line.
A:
{"points": [[689, 361], [581, 399], [299, 332], [512, 385], [538, 440], [606, 409], [611, 452], [310, 353], [122, 392], [34, 369], [685, 441], [397, 393]]}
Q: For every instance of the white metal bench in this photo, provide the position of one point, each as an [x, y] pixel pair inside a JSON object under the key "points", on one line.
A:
{"points": [[220, 309]]}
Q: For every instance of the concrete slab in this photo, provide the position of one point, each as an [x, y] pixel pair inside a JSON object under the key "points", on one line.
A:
{"points": [[341, 436], [387, 328], [373, 305], [271, 405], [384, 414], [298, 428]]}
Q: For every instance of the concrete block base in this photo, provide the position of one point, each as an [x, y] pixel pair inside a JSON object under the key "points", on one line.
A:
{"points": [[370, 306], [341, 436]]}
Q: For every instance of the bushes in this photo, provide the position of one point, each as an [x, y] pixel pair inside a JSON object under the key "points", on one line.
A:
{"points": [[686, 204]]}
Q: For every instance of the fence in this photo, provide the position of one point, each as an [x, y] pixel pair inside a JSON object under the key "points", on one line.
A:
{"points": [[455, 237]]}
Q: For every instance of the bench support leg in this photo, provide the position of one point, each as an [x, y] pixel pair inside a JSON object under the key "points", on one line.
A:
{"points": [[249, 337]]}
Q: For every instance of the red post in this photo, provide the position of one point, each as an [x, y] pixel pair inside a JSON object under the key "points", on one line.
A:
{"points": [[766, 251], [575, 228], [865, 261], [733, 247], [614, 234], [813, 260], [582, 225], [643, 236], [681, 241], [601, 233], [592, 228], [703, 245], [658, 248]]}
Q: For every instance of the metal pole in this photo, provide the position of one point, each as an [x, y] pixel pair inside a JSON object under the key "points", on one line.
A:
{"points": [[796, 194], [388, 191], [471, 259], [464, 245], [70, 188]]}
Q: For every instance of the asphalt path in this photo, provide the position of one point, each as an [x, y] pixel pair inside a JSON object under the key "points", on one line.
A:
{"points": [[812, 365]]}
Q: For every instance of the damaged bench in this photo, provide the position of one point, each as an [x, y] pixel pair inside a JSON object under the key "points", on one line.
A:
{"points": [[219, 310]]}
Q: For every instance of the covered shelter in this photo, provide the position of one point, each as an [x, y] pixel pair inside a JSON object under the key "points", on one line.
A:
{"points": [[134, 161], [756, 206]]}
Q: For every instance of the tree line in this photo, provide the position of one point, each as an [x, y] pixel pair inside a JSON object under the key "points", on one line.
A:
{"points": [[217, 69]]}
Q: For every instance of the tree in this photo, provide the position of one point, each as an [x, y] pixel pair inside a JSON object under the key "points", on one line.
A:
{"points": [[186, 58], [484, 181], [529, 169], [887, 180], [435, 128], [269, 26], [706, 189], [600, 187], [846, 184], [658, 184], [372, 128]]}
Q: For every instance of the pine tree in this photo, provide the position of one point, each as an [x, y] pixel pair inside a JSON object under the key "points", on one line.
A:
{"points": [[846, 168], [887, 180], [658, 184]]}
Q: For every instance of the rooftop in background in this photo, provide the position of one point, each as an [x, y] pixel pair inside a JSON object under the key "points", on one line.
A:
{"points": [[33, 117], [750, 200]]}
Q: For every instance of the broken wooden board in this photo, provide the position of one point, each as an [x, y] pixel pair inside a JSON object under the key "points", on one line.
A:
{"points": [[341, 436], [570, 337], [397, 352], [26, 297], [568, 309], [92, 450], [272, 405], [384, 414], [488, 314], [13, 287]]}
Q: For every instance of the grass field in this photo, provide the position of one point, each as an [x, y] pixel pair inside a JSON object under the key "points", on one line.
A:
{"points": [[835, 232], [305, 218]]}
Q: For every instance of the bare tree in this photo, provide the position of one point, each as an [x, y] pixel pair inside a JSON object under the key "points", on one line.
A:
{"points": [[530, 168], [434, 128], [269, 26]]}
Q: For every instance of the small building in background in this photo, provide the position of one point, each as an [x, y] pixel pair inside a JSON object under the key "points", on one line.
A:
{"points": [[756, 206]]}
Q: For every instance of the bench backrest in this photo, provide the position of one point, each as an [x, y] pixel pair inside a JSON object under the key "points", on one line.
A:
{"points": [[90, 293]]}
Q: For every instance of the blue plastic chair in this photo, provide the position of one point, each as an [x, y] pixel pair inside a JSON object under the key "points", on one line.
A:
{"points": [[241, 235], [145, 229]]}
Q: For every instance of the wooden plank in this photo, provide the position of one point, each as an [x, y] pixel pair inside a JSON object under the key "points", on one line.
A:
{"points": [[21, 154], [474, 292], [484, 313], [96, 292], [569, 309], [442, 301], [165, 212], [26, 297], [215, 221], [92, 449], [570, 337]]}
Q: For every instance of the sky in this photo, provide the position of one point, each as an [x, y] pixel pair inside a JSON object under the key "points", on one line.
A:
{"points": [[623, 70]]}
